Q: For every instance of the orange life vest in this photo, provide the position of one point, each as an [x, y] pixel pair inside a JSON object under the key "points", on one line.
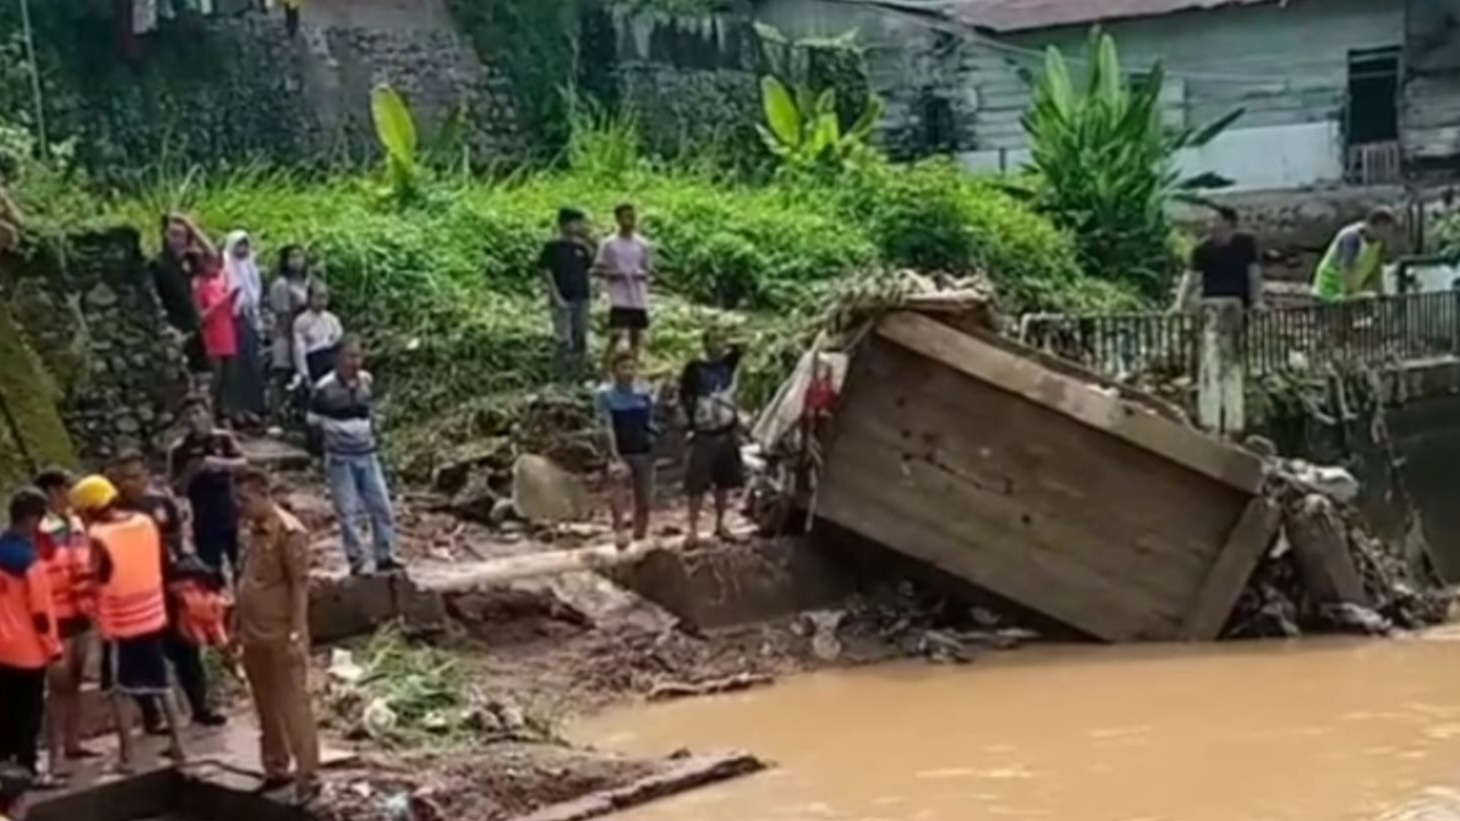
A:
{"points": [[66, 551], [202, 614], [130, 603], [24, 598]]}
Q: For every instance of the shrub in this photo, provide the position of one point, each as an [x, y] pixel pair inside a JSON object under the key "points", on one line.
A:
{"points": [[1105, 164], [934, 216]]}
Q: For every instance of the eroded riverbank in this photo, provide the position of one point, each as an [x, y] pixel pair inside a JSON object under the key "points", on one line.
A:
{"points": [[1340, 730]]}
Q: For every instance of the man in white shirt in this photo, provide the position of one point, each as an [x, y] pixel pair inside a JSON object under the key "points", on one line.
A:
{"points": [[626, 262]]}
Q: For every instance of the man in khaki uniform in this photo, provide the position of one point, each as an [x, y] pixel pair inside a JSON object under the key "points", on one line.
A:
{"points": [[272, 627]]}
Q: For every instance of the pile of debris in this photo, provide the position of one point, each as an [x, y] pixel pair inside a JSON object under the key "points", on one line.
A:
{"points": [[1327, 571]]}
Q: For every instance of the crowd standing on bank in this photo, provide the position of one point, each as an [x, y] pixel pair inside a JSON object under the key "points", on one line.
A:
{"points": [[156, 574]]}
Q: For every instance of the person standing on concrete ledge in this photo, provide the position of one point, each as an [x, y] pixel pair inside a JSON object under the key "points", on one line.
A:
{"points": [[271, 625], [1224, 265], [342, 407], [707, 394], [14, 783], [28, 642], [626, 411]]}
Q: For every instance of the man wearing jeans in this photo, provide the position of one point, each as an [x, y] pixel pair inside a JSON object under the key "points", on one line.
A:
{"points": [[566, 261], [341, 407]]}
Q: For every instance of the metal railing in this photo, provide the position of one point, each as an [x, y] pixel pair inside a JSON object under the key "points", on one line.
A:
{"points": [[1160, 346]]}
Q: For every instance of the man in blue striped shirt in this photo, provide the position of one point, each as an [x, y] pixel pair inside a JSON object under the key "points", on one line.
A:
{"points": [[342, 406]]}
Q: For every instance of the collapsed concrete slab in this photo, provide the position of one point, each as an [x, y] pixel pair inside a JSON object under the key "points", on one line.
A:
{"points": [[1041, 483]]}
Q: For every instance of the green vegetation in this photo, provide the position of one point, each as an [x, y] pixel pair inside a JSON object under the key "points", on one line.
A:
{"points": [[444, 286], [1104, 165]]}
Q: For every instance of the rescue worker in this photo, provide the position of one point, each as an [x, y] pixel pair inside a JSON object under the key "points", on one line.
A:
{"points": [[129, 474], [131, 613], [28, 642], [272, 628], [1355, 260], [66, 551], [14, 782]]}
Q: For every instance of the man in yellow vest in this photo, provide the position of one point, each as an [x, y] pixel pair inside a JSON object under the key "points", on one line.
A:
{"points": [[14, 782], [131, 612], [1355, 259]]}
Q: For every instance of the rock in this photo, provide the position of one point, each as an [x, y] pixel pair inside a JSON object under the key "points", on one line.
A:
{"points": [[544, 492], [1356, 619], [128, 425], [503, 511]]}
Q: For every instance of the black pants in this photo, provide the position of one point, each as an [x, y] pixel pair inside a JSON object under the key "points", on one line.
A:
{"points": [[22, 706], [187, 665]]}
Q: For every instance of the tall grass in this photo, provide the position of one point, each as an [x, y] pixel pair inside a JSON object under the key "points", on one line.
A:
{"points": [[447, 293]]}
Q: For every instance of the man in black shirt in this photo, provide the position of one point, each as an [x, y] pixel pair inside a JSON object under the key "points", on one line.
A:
{"points": [[566, 262], [1223, 266], [707, 394], [201, 466], [135, 492]]}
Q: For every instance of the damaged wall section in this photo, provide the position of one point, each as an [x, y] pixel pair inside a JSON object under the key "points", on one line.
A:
{"points": [[1045, 489]]}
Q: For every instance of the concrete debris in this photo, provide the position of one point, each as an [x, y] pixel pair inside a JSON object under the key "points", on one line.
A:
{"points": [[1334, 482], [1351, 618], [1327, 571]]}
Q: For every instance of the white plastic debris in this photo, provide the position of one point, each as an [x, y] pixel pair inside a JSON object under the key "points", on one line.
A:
{"points": [[1334, 482], [378, 718], [343, 667]]}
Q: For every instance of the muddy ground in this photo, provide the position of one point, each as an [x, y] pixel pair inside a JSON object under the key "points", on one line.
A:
{"points": [[473, 714]]}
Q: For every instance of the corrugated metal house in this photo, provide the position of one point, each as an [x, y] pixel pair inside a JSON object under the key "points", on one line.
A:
{"points": [[1360, 91]]}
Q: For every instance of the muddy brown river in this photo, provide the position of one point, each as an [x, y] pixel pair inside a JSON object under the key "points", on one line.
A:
{"points": [[1315, 730]]}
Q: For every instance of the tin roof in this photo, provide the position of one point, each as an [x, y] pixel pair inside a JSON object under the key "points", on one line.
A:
{"points": [[1023, 15]]}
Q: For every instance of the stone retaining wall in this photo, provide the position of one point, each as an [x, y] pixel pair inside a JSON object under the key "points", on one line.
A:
{"points": [[86, 306]]}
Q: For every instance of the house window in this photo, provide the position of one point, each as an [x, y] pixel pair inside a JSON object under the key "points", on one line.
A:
{"points": [[1373, 97]]}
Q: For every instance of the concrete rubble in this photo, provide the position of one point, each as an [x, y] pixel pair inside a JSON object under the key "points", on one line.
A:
{"points": [[1092, 504]]}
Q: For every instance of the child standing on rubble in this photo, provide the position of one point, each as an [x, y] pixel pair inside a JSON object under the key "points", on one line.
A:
{"points": [[627, 412]]}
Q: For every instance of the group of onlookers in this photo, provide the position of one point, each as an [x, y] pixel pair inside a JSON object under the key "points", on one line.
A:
{"points": [[276, 349], [625, 263]]}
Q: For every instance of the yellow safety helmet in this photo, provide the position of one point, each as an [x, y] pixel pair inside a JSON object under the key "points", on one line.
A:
{"points": [[93, 493]]}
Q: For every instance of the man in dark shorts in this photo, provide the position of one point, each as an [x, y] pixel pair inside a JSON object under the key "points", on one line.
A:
{"points": [[127, 559], [626, 411], [129, 473], [626, 262], [201, 466], [1223, 266], [566, 262], [707, 394]]}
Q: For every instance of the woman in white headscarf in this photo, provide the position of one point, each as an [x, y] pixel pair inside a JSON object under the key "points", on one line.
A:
{"points": [[241, 270]]}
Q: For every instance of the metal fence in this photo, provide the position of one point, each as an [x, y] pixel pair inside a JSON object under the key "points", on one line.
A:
{"points": [[1160, 346]]}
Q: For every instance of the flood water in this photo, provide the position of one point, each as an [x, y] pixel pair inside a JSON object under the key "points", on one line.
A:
{"points": [[1308, 731]]}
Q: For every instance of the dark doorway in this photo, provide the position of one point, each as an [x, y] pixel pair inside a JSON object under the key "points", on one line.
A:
{"points": [[1373, 96]]}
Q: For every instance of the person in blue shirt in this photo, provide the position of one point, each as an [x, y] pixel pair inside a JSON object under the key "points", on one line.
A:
{"points": [[627, 412]]}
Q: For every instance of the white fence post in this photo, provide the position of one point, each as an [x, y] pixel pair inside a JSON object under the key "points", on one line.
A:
{"points": [[1220, 373]]}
